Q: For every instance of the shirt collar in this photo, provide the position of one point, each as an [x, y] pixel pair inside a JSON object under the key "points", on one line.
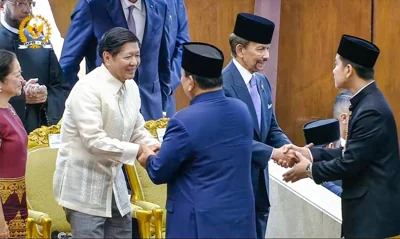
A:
{"points": [[8, 27], [363, 88], [342, 142], [246, 75], [126, 4], [113, 84]]}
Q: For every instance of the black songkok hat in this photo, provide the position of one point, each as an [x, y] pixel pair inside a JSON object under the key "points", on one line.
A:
{"points": [[202, 59], [322, 132], [358, 50], [254, 28]]}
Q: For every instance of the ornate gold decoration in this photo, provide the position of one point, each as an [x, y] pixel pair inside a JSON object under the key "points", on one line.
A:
{"points": [[40, 136], [17, 226], [31, 29], [10, 186], [153, 125], [347, 131]]}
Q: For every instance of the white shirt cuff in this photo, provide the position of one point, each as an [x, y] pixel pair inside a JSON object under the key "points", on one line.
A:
{"points": [[311, 157], [130, 153]]}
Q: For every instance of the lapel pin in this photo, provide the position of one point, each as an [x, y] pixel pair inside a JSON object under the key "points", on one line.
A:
{"points": [[151, 6], [262, 86]]}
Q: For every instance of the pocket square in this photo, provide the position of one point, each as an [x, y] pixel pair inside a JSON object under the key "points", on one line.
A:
{"points": [[269, 106]]}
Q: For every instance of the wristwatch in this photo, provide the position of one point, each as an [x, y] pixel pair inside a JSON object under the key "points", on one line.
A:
{"points": [[308, 169]]}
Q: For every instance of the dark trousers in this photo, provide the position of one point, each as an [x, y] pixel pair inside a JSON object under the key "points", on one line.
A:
{"points": [[261, 223]]}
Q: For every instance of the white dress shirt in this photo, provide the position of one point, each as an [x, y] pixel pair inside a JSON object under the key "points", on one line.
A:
{"points": [[139, 15], [246, 75], [101, 130], [342, 142]]}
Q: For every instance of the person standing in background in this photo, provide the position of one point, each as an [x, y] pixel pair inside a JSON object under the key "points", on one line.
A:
{"points": [[178, 34], [147, 20], [36, 106]]}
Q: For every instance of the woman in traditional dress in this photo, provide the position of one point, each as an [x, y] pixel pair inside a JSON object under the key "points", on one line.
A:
{"points": [[13, 151]]}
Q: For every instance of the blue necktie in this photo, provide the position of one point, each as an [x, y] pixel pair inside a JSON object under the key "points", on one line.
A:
{"points": [[255, 97]]}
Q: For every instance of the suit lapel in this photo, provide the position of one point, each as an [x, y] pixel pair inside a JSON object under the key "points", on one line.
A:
{"points": [[117, 13], [243, 94], [264, 110], [149, 5]]}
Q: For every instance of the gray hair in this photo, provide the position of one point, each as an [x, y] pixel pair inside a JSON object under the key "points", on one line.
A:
{"points": [[234, 41], [342, 103]]}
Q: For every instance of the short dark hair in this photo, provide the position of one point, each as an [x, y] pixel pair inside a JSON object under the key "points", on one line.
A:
{"points": [[113, 40], [205, 83], [234, 41], [362, 72], [6, 59]]}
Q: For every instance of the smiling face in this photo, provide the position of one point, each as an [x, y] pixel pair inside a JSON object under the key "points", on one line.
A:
{"points": [[253, 55], [12, 83], [124, 64]]}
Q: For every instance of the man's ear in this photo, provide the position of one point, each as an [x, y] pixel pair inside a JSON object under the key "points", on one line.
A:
{"points": [[330, 146], [192, 83], [343, 118], [239, 50]]}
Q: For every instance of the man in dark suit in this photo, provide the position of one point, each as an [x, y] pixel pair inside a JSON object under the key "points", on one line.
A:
{"points": [[250, 44], [46, 106], [205, 156], [178, 34], [147, 20], [369, 165], [324, 133]]}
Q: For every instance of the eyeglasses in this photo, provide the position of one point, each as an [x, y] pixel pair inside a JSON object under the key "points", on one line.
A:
{"points": [[24, 4]]}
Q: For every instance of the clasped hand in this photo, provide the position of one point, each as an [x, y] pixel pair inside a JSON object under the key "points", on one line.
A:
{"points": [[145, 151], [34, 93], [286, 157], [297, 158]]}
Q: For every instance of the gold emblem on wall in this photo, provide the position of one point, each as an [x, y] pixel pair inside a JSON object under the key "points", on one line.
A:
{"points": [[34, 32]]}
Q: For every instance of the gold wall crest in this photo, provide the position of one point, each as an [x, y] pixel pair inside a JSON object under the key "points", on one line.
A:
{"points": [[34, 32]]}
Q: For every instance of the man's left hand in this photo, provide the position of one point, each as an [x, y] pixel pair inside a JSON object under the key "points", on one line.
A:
{"points": [[155, 147], [146, 151], [298, 171]]}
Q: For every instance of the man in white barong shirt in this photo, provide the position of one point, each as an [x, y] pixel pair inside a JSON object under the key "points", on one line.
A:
{"points": [[102, 129]]}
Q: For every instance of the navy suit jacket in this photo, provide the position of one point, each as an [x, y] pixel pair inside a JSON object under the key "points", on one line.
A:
{"points": [[266, 137], [369, 168], [43, 64], [205, 159], [92, 18], [178, 34]]}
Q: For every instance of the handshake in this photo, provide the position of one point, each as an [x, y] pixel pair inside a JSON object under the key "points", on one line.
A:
{"points": [[294, 157], [145, 151], [286, 155]]}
